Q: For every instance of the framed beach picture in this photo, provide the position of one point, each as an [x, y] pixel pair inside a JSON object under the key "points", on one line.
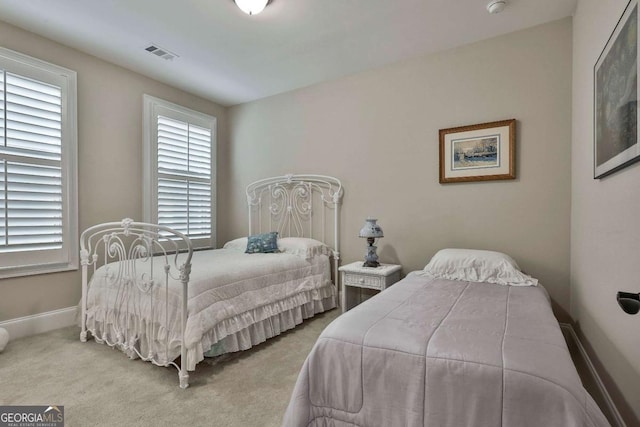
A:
{"points": [[482, 152], [615, 78]]}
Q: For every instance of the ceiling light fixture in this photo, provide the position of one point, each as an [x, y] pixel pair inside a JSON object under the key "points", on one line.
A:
{"points": [[251, 7], [496, 6]]}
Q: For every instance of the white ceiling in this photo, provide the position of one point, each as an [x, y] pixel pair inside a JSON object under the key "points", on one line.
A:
{"points": [[231, 58]]}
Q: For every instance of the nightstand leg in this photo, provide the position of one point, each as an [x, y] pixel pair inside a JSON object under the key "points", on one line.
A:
{"points": [[343, 298]]}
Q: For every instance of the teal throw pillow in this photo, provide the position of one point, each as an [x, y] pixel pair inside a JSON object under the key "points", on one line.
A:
{"points": [[263, 243]]}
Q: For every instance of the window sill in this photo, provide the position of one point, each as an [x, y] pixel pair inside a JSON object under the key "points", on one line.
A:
{"points": [[32, 270]]}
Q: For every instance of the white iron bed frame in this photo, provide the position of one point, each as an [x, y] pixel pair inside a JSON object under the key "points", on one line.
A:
{"points": [[285, 204]]}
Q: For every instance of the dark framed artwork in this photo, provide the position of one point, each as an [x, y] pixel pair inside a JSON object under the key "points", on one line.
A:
{"points": [[615, 78], [482, 152]]}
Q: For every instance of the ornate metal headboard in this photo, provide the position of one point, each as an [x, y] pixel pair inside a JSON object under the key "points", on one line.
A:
{"points": [[297, 206]]}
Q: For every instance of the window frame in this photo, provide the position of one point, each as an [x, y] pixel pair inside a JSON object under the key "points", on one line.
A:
{"points": [[152, 108], [33, 68]]}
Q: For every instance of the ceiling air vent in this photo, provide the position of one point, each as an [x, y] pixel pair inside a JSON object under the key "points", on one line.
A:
{"points": [[161, 52]]}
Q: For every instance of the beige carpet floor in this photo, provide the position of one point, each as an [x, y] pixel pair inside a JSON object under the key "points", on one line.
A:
{"points": [[100, 386]]}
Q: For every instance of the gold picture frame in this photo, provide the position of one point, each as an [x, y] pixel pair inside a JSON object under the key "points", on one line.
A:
{"points": [[481, 152]]}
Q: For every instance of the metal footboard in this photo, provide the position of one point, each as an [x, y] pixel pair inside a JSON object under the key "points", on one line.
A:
{"points": [[142, 264]]}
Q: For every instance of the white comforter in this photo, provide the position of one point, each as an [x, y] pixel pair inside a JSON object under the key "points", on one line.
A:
{"points": [[443, 353], [229, 291]]}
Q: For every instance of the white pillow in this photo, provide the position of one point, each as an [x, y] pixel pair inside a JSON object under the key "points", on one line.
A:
{"points": [[477, 266], [237, 244], [303, 247]]}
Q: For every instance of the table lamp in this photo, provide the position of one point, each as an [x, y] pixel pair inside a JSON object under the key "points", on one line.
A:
{"points": [[371, 231]]}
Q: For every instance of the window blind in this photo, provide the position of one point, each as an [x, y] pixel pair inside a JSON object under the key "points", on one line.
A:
{"points": [[184, 177], [31, 190]]}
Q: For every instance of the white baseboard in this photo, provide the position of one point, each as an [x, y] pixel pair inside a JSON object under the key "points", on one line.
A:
{"points": [[619, 422], [39, 323]]}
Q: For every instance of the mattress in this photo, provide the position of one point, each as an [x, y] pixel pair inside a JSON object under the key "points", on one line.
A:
{"points": [[235, 300], [443, 353]]}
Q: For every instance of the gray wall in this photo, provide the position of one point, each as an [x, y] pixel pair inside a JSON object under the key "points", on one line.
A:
{"points": [[110, 156], [378, 132], [605, 229]]}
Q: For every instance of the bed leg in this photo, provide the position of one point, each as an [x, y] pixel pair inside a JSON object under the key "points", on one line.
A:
{"points": [[184, 379], [184, 278], [84, 255]]}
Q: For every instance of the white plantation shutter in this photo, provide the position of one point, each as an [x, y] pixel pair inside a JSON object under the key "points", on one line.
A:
{"points": [[33, 200], [3, 199], [33, 211], [38, 228], [179, 144], [184, 177]]}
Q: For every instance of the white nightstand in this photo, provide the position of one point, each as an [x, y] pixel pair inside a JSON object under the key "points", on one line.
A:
{"points": [[354, 275]]}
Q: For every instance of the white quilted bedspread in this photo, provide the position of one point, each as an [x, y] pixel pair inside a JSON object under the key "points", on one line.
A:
{"points": [[442, 353], [228, 291]]}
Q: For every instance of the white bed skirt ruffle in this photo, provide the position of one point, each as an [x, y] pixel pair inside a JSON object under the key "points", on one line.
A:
{"points": [[236, 333], [256, 326], [270, 327]]}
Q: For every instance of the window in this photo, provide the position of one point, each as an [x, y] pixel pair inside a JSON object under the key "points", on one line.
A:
{"points": [[38, 172], [179, 170]]}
